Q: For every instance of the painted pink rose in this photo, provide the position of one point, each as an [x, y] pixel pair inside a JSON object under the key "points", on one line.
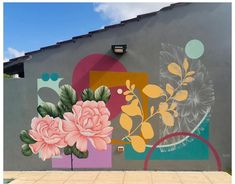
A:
{"points": [[47, 131], [89, 121]]}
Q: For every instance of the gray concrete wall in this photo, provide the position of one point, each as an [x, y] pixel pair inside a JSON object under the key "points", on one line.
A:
{"points": [[208, 22]]}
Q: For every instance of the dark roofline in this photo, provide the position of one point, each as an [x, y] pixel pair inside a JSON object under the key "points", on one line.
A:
{"points": [[89, 34]]}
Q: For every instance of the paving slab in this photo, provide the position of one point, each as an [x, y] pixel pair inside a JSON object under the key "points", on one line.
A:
{"points": [[116, 177]]}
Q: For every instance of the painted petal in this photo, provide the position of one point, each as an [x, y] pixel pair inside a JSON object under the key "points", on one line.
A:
{"points": [[105, 111], [46, 153], [79, 103], [107, 140], [106, 131], [52, 140], [53, 150], [61, 143], [69, 126], [36, 147], [35, 135], [77, 110], [106, 123], [82, 144], [98, 143], [104, 118], [35, 122], [69, 117], [72, 137], [101, 104]]}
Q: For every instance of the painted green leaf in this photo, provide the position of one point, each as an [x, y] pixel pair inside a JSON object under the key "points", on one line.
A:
{"points": [[87, 94], [62, 109], [67, 150], [25, 137], [26, 150], [68, 96], [48, 108], [78, 153], [102, 93]]}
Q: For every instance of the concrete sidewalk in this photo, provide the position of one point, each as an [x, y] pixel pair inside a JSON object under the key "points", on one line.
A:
{"points": [[117, 177]]}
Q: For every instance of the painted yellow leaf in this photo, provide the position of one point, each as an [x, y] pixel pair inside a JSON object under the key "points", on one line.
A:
{"points": [[163, 106], [188, 79], [190, 73], [173, 105], [167, 118], [153, 91], [128, 84], [147, 130], [132, 109], [135, 102], [132, 87], [185, 64], [181, 95], [127, 92], [174, 69], [151, 110], [138, 143], [129, 97], [169, 89], [125, 122]]}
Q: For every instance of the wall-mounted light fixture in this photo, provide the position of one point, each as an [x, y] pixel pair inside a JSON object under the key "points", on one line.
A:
{"points": [[119, 49]]}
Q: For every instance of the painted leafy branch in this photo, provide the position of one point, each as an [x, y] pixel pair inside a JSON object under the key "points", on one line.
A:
{"points": [[167, 109]]}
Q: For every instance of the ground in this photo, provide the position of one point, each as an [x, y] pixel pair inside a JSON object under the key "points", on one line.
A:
{"points": [[117, 177]]}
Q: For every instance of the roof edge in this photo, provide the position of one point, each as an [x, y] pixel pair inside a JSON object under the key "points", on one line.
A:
{"points": [[89, 34]]}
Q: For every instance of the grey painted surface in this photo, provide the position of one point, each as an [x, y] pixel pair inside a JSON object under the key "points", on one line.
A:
{"points": [[208, 22]]}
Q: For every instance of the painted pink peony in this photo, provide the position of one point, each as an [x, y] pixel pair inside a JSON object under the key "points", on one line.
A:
{"points": [[47, 131], [89, 121]]}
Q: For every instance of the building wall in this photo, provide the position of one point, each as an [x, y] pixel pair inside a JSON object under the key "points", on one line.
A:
{"points": [[153, 43]]}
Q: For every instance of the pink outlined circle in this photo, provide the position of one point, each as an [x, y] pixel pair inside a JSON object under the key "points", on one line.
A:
{"points": [[213, 150]]}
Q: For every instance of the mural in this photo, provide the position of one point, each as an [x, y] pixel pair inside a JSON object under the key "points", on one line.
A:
{"points": [[80, 123]]}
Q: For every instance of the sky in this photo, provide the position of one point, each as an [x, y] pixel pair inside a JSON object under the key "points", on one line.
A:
{"points": [[30, 26]]}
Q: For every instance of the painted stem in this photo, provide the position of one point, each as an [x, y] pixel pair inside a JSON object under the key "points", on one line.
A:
{"points": [[71, 158], [140, 105]]}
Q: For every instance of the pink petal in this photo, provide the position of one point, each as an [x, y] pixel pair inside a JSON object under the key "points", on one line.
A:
{"points": [[98, 143], [106, 123], [101, 104], [46, 153], [104, 111], [106, 131], [77, 110], [36, 147], [79, 103], [34, 122], [104, 118], [107, 140], [82, 144], [69, 117], [52, 140], [54, 150], [61, 143], [72, 137], [69, 126], [35, 135]]}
